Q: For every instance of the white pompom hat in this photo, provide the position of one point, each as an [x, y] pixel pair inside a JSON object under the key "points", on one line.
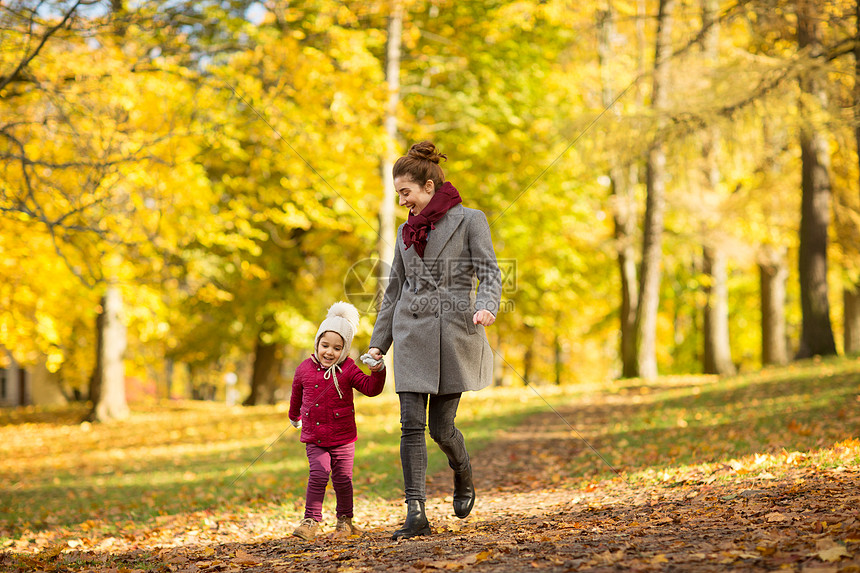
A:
{"points": [[342, 318]]}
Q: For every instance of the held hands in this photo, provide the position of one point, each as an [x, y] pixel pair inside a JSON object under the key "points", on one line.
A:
{"points": [[484, 317], [373, 359]]}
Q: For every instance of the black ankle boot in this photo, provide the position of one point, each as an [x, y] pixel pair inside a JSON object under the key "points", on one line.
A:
{"points": [[416, 521], [464, 492]]}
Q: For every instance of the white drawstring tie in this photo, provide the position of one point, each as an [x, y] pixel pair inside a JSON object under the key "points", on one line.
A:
{"points": [[331, 372]]}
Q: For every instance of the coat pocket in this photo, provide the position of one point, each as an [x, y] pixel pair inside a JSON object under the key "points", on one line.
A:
{"points": [[471, 327], [343, 422]]}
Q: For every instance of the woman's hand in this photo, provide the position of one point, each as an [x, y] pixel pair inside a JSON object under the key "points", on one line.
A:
{"points": [[376, 353], [484, 317]]}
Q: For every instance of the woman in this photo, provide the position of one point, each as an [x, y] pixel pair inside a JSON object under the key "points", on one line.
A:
{"points": [[444, 288]]}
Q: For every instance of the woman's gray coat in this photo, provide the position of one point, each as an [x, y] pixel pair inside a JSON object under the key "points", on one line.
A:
{"points": [[429, 303]]}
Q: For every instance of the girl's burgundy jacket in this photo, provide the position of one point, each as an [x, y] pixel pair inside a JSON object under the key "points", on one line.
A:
{"points": [[328, 419]]}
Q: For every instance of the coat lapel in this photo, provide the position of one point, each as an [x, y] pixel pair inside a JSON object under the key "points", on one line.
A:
{"points": [[441, 234]]}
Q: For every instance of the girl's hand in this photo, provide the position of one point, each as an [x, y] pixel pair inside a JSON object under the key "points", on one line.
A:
{"points": [[378, 367], [484, 317]]}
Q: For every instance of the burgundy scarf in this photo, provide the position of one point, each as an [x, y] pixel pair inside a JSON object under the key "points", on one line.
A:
{"points": [[417, 227]]}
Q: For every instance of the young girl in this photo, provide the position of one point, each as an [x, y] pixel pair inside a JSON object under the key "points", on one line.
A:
{"points": [[321, 405]]}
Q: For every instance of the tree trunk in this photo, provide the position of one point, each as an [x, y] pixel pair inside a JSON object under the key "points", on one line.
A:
{"points": [[652, 229], [559, 364], [94, 393], [168, 377], [528, 357], [623, 211], [718, 353], [851, 334], [109, 381], [264, 379], [387, 240], [773, 275], [817, 332], [46, 388]]}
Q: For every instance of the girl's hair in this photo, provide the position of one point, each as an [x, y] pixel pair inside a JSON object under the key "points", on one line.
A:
{"points": [[421, 164]]}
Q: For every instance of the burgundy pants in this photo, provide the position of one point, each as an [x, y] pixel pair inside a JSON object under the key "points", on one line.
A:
{"points": [[336, 461]]}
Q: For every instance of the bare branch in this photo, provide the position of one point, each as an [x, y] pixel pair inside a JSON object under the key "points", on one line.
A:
{"points": [[26, 61]]}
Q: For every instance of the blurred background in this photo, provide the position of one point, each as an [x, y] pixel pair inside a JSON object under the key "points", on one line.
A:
{"points": [[186, 186]]}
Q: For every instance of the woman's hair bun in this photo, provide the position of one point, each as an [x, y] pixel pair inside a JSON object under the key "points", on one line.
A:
{"points": [[427, 151]]}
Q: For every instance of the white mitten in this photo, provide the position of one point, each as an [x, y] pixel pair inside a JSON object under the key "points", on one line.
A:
{"points": [[296, 423], [370, 360]]}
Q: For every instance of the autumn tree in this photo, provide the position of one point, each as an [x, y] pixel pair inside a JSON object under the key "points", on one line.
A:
{"points": [[851, 291], [93, 172]]}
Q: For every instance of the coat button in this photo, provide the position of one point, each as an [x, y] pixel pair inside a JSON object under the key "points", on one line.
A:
{"points": [[416, 290], [414, 315], [316, 385], [317, 405], [318, 423], [437, 315], [336, 414]]}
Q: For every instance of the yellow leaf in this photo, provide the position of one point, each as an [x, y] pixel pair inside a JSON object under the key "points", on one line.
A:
{"points": [[483, 556], [833, 553]]}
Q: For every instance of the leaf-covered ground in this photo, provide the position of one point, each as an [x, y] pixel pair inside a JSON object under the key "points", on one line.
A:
{"points": [[751, 473]]}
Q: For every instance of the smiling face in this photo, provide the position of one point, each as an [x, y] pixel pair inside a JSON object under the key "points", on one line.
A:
{"points": [[412, 195], [329, 348]]}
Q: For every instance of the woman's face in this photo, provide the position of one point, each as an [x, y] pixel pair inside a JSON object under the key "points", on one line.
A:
{"points": [[329, 348], [412, 195]]}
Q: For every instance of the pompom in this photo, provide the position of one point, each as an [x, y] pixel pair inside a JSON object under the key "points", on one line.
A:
{"points": [[345, 311]]}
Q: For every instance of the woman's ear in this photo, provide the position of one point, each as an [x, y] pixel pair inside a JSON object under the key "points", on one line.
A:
{"points": [[430, 186]]}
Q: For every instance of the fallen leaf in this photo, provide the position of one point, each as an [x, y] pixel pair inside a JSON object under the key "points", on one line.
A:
{"points": [[834, 553], [776, 517], [483, 556], [245, 558]]}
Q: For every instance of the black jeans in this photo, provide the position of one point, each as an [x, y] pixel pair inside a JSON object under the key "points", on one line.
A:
{"points": [[413, 447]]}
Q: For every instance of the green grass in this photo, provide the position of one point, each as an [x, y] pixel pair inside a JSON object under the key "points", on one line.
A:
{"points": [[681, 421]]}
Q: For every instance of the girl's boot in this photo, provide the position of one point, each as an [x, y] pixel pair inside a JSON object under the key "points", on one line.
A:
{"points": [[416, 521]]}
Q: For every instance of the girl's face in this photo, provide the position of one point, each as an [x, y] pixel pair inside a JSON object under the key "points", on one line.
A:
{"points": [[412, 195], [329, 348]]}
